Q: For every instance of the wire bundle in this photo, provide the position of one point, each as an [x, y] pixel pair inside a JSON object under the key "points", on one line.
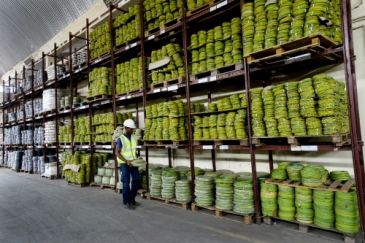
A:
{"points": [[317, 9], [272, 24], [286, 202], [257, 113], [311, 176], [314, 126], [294, 171], [260, 25], [155, 183], [243, 195], [307, 102], [169, 176], [204, 190], [248, 25], [293, 99], [279, 174], [269, 110], [183, 190], [323, 208], [284, 18], [300, 8], [224, 191], [298, 126], [268, 193], [304, 206], [347, 212], [339, 175]]}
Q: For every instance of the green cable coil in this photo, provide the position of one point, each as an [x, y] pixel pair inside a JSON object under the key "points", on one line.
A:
{"points": [[347, 212], [286, 202], [340, 175], [298, 126], [283, 165], [280, 174], [294, 171], [304, 205], [311, 176], [314, 126], [323, 208], [268, 194]]}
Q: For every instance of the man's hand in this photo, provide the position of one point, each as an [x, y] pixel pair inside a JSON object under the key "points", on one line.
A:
{"points": [[129, 163]]}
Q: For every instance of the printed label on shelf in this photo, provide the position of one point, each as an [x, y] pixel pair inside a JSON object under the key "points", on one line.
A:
{"points": [[127, 47], [162, 32], [64, 75], [309, 148], [151, 37], [105, 102], [128, 97], [78, 70], [82, 107], [213, 8], [213, 78], [98, 60], [296, 148], [122, 98], [107, 147], [172, 87], [68, 75], [164, 89], [134, 44], [156, 90], [223, 147], [207, 146], [86, 146], [202, 80], [139, 146], [222, 4]]}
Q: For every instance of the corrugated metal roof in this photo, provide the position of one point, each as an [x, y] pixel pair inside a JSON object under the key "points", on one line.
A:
{"points": [[26, 25]]}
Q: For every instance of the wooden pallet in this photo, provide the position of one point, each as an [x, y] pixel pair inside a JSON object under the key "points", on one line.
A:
{"points": [[64, 108], [28, 171], [167, 83], [15, 170], [51, 177], [216, 71], [100, 56], [337, 139], [162, 26], [306, 228], [102, 186], [241, 142], [203, 7], [79, 143], [172, 202], [53, 111], [247, 218], [49, 144], [141, 192], [164, 142], [77, 184], [98, 98], [133, 91], [37, 87], [310, 44], [49, 82], [65, 144], [127, 43], [335, 186]]}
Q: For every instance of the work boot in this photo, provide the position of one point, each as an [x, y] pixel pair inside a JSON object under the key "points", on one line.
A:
{"points": [[128, 206], [134, 203]]}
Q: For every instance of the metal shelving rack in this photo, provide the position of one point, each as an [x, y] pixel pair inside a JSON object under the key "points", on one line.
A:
{"points": [[249, 76]]}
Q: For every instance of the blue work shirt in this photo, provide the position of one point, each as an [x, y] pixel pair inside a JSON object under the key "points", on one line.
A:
{"points": [[119, 143]]}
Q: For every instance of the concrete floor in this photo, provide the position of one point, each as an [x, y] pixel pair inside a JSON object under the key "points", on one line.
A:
{"points": [[35, 209]]}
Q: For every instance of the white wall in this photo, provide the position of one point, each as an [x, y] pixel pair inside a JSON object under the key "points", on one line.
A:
{"points": [[240, 160]]}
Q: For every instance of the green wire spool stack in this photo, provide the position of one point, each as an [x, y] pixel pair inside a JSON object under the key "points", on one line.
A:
{"points": [[314, 126], [279, 174], [311, 176], [336, 29], [100, 40], [100, 82], [156, 182], [127, 26], [307, 102], [82, 159], [204, 190], [269, 110], [340, 175], [280, 102], [243, 196], [82, 130], [257, 113], [299, 10], [64, 135], [248, 25], [294, 171], [317, 8], [347, 212], [129, 75], [215, 48], [224, 191], [260, 25], [268, 194], [158, 13], [323, 203], [271, 32], [173, 69], [286, 202], [304, 205], [169, 177], [293, 99], [285, 18], [183, 190], [298, 126]]}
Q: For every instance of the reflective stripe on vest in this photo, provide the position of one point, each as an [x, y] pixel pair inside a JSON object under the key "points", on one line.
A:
{"points": [[128, 148]]}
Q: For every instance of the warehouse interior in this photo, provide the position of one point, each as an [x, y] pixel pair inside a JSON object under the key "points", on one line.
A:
{"points": [[247, 119]]}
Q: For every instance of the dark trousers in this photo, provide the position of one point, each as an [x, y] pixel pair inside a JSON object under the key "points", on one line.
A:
{"points": [[129, 192]]}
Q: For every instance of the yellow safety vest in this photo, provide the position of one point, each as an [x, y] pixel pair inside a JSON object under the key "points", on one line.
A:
{"points": [[129, 148]]}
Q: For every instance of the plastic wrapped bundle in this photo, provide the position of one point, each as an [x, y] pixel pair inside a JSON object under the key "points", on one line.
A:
{"points": [[323, 203], [204, 190], [286, 202], [284, 19], [272, 24], [248, 25], [304, 205], [331, 125], [284, 127], [183, 190], [314, 126], [299, 10], [224, 192], [347, 211], [298, 126], [243, 196], [156, 182], [268, 194], [169, 176], [318, 8]]}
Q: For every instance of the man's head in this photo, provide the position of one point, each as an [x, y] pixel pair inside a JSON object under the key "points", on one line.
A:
{"points": [[129, 126]]}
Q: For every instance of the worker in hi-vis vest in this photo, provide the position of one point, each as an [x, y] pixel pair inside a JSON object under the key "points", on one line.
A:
{"points": [[126, 153]]}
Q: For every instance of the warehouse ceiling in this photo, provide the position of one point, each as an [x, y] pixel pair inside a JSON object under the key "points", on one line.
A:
{"points": [[26, 25]]}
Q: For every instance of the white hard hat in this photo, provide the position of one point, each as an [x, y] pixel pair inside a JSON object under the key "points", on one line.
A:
{"points": [[129, 123]]}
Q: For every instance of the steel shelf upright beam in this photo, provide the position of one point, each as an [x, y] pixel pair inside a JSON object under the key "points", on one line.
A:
{"points": [[355, 131], [71, 91], [23, 77], [56, 107], [32, 98]]}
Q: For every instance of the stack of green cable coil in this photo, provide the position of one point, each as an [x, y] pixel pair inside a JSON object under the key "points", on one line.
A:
{"points": [[269, 110], [268, 193], [347, 212], [257, 113], [339, 175], [204, 190], [336, 30], [156, 183], [314, 126], [283, 165], [169, 176], [260, 25], [298, 126], [271, 33], [284, 127], [293, 99], [182, 172], [300, 8], [183, 190], [224, 191], [311, 176], [286, 202], [197, 171], [331, 125], [324, 215], [279, 174], [304, 205], [307, 101], [294, 171], [318, 8], [248, 25], [284, 18], [243, 196]]}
